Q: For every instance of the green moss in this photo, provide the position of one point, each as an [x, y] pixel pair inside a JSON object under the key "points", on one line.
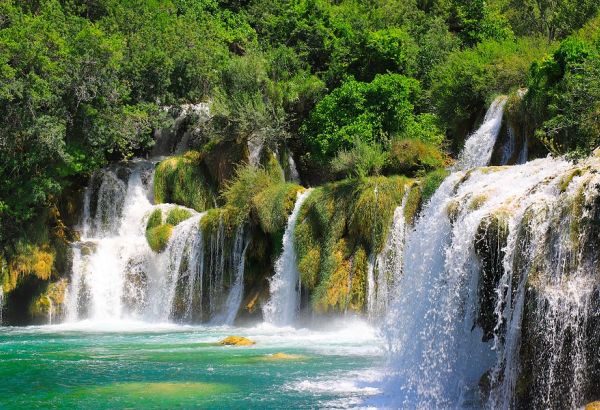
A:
{"points": [[477, 202], [564, 183], [50, 301], [177, 215], [413, 203], [155, 219], [339, 225], [273, 205], [431, 182], [181, 180], [158, 237], [452, 210]]}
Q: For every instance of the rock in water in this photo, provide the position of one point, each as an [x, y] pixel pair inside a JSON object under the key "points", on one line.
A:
{"points": [[236, 341]]}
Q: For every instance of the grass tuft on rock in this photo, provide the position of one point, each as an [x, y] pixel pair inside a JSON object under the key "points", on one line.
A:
{"points": [[177, 215], [158, 237]]}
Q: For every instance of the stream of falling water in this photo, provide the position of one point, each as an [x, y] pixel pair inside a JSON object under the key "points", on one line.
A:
{"points": [[285, 284], [386, 268], [117, 276], [479, 145]]}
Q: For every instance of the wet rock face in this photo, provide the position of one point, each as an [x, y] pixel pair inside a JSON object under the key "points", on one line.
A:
{"points": [[490, 242]]}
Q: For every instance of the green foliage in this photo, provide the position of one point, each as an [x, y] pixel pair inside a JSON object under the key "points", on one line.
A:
{"points": [[155, 219], [177, 215], [412, 156], [431, 182], [563, 101], [362, 160], [552, 19], [370, 112], [463, 85], [273, 206], [250, 181], [158, 237], [181, 180]]}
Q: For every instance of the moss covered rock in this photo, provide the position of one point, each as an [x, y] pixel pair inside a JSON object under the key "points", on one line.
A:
{"points": [[158, 237], [183, 180], [236, 341], [48, 306], [177, 215]]}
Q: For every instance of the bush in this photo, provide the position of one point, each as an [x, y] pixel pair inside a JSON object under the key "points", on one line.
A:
{"points": [[469, 78], [362, 160], [370, 112], [564, 98], [411, 157]]}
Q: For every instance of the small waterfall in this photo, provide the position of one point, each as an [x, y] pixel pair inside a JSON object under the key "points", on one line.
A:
{"points": [[116, 249], [285, 284], [234, 297], [184, 269], [500, 288], [479, 145], [387, 264]]}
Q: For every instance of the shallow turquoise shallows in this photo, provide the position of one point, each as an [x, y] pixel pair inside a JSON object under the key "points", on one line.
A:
{"points": [[133, 365]]}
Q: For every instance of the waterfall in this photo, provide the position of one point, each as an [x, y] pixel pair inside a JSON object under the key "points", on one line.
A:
{"points": [[479, 145], [184, 268], [499, 263], [234, 297], [113, 247], [387, 265], [284, 285]]}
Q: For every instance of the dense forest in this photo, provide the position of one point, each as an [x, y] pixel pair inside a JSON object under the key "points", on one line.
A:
{"points": [[350, 89]]}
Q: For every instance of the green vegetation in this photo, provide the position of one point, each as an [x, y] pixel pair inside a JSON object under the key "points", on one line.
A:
{"points": [[350, 89], [177, 215], [158, 237], [339, 226], [181, 180]]}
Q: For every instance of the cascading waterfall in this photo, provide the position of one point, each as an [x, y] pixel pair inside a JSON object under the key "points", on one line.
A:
{"points": [[386, 268], [479, 145], [113, 251], [498, 287], [184, 269], [285, 284], [116, 275], [234, 297]]}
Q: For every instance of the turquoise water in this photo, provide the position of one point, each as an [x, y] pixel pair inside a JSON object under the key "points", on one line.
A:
{"points": [[133, 365]]}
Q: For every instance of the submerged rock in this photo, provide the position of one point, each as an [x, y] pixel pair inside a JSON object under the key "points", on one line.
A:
{"points": [[236, 341], [287, 356]]}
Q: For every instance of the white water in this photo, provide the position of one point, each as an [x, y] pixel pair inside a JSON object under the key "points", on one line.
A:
{"points": [[285, 284], [116, 246], [478, 147], [437, 353], [386, 268], [234, 297]]}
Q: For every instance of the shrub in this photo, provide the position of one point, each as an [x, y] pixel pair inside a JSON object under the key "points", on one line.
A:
{"points": [[411, 156]]}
